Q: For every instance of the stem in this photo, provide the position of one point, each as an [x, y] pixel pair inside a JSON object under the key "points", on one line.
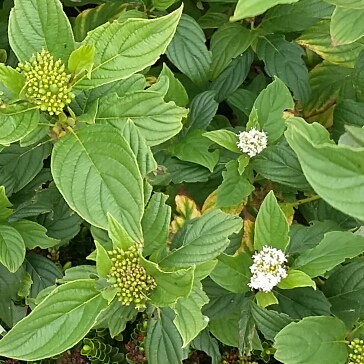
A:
{"points": [[305, 200]]}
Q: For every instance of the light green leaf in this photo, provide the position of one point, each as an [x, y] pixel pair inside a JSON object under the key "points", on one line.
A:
{"points": [[234, 188], [312, 340], [156, 120], [34, 235], [188, 51], [331, 251], [227, 43], [318, 39], [5, 205], [155, 223], [354, 4], [236, 268], [81, 59], [296, 278], [163, 344], [265, 299], [49, 29], [346, 26], [176, 91], [171, 285], [326, 168], [225, 138], [59, 322], [131, 46], [103, 261], [189, 319], [17, 121], [249, 8], [42, 271], [269, 107], [163, 4], [283, 59], [139, 146], [12, 248], [194, 147], [206, 238], [271, 225], [12, 80], [119, 237], [96, 172]]}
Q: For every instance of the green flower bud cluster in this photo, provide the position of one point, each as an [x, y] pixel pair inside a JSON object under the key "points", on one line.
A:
{"points": [[357, 354], [131, 279], [46, 83]]}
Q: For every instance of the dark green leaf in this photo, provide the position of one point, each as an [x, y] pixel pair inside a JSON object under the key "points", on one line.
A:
{"points": [[203, 108], [208, 344]]}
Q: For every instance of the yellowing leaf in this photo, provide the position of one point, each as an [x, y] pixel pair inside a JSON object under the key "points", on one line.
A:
{"points": [[187, 210]]}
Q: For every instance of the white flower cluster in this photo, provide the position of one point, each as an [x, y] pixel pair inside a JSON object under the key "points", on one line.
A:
{"points": [[252, 142], [268, 269]]}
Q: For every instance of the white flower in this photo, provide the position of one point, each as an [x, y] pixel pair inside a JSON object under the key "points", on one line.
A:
{"points": [[268, 269], [252, 142]]}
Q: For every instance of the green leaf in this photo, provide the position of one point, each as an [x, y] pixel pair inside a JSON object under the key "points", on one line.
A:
{"points": [[271, 225], [188, 51], [249, 8], [103, 261], [344, 289], [91, 18], [119, 237], [163, 344], [232, 76], [206, 238], [96, 172], [12, 248], [208, 344], [279, 163], [345, 26], [34, 235], [203, 108], [234, 188], [5, 205], [312, 340], [17, 121], [236, 268], [156, 120], [189, 319], [176, 92], [212, 19], [283, 59], [59, 322], [323, 163], [81, 59], [171, 285], [139, 146], [225, 138], [43, 272], [354, 4], [331, 251], [131, 47], [49, 29], [265, 299], [155, 223], [227, 43], [269, 322], [162, 4], [296, 17], [302, 302], [226, 329], [19, 166], [296, 278], [12, 80], [194, 147], [269, 107], [318, 40]]}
